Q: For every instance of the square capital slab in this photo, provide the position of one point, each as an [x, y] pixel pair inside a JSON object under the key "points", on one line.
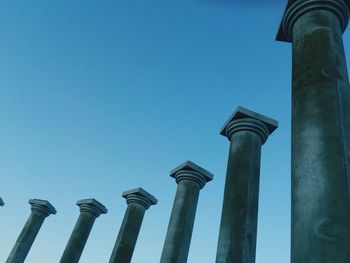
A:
{"points": [[280, 33], [140, 191], [188, 165], [94, 203], [43, 203], [243, 113]]}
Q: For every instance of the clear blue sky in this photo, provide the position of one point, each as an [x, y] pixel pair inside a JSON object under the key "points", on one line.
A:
{"points": [[99, 97]]}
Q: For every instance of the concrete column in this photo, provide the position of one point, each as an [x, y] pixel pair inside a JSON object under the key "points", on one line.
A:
{"points": [[138, 201], [40, 210], [320, 130], [246, 131], [90, 209], [190, 178], [1, 202]]}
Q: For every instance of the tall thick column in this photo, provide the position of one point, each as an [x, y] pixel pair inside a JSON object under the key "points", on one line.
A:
{"points": [[190, 178], [1, 202], [40, 210], [320, 130], [138, 201], [90, 209], [246, 131]]}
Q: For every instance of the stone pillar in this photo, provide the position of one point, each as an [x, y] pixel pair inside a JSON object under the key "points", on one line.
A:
{"points": [[1, 202], [320, 130], [190, 179], [138, 201], [40, 210], [246, 131], [90, 209]]}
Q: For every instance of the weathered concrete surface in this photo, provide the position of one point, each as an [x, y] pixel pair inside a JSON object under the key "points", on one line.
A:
{"points": [[40, 210], [90, 209], [247, 131], [190, 179], [320, 132], [138, 201]]}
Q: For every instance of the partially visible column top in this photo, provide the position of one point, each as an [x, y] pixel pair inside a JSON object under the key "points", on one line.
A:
{"points": [[139, 196], [190, 171], [92, 206], [41, 207], [244, 119], [297, 8], [1, 202]]}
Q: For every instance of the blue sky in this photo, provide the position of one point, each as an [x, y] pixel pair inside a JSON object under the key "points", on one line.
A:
{"points": [[99, 97]]}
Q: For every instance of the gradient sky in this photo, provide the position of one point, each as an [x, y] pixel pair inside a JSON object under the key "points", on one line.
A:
{"points": [[99, 97]]}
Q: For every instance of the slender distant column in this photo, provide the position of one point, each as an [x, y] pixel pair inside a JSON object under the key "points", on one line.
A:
{"points": [[320, 130], [190, 178], [90, 209], [246, 131], [138, 201], [1, 202], [40, 210]]}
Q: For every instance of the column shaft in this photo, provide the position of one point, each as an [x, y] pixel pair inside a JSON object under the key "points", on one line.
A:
{"points": [[26, 238], [237, 236], [128, 233], [138, 201], [78, 238], [179, 233], [40, 210], [320, 141]]}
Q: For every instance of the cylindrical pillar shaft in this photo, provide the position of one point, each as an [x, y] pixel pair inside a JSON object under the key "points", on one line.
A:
{"points": [[238, 227], [320, 132], [90, 209], [128, 234], [138, 201], [78, 238], [237, 237], [179, 233], [320, 141], [40, 210], [178, 238]]}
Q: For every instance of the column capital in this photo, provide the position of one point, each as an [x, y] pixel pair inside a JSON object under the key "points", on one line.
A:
{"points": [[1, 202], [139, 196], [42, 207], [297, 8], [192, 172], [243, 119], [92, 206]]}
